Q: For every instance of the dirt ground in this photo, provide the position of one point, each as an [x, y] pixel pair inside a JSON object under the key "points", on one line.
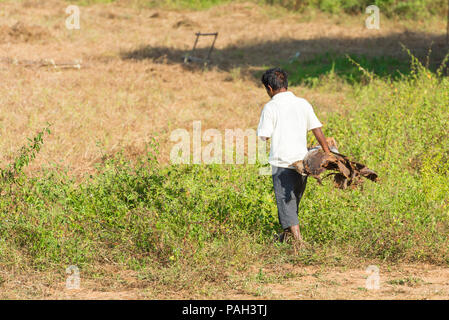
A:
{"points": [[132, 86], [401, 282], [309, 282]]}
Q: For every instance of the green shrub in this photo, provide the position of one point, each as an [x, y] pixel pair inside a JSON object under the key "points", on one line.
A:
{"points": [[402, 8]]}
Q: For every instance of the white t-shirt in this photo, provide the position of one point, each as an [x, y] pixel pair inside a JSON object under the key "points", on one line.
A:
{"points": [[286, 119]]}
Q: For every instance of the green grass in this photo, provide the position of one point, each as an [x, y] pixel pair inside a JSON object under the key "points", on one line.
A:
{"points": [[403, 8], [171, 4], [186, 225], [391, 8], [313, 72], [409, 281]]}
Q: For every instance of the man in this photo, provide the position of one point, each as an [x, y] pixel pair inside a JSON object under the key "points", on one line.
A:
{"points": [[286, 119]]}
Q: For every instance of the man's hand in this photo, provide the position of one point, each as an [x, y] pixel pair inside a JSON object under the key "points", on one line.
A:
{"points": [[319, 135]]}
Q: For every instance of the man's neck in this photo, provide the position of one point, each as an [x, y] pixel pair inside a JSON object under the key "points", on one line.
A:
{"points": [[279, 91]]}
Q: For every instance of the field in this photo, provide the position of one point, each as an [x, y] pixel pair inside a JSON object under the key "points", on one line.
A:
{"points": [[93, 186]]}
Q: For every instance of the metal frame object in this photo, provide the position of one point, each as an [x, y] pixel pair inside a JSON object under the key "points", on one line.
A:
{"points": [[192, 58]]}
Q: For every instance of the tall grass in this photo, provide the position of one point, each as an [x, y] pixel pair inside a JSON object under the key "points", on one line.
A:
{"points": [[201, 220], [398, 128]]}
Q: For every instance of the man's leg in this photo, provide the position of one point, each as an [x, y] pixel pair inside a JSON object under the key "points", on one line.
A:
{"points": [[289, 187], [295, 232], [299, 189]]}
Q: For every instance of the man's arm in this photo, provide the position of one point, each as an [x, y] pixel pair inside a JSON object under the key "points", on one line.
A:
{"points": [[319, 135]]}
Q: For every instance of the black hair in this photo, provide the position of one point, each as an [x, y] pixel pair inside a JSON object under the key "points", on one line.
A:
{"points": [[276, 78]]}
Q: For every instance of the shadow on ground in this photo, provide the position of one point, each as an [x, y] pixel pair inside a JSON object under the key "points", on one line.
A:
{"points": [[258, 55]]}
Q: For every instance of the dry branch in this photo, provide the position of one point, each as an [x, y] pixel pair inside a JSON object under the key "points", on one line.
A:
{"points": [[346, 172]]}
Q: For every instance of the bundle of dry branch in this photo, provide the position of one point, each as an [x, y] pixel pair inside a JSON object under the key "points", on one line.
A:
{"points": [[345, 171]]}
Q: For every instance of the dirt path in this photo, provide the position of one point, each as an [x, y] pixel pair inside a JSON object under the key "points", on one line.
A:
{"points": [[401, 282], [310, 282]]}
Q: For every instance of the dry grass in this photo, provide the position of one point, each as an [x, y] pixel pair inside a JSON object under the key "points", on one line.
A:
{"points": [[114, 102], [292, 282]]}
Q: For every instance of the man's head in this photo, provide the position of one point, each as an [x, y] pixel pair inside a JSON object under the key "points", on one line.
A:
{"points": [[275, 80]]}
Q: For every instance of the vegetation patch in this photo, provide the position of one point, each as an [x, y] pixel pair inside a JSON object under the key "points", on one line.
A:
{"points": [[211, 219]]}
